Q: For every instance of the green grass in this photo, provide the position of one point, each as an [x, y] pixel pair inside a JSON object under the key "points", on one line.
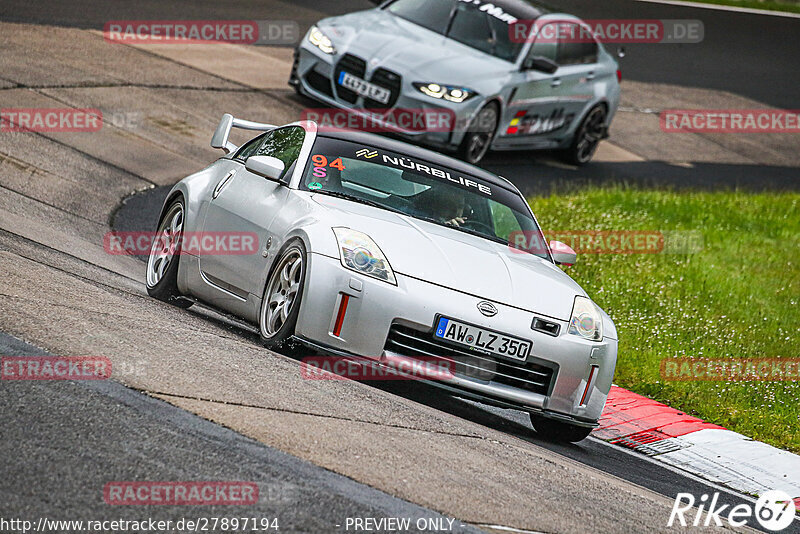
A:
{"points": [[791, 6], [736, 298]]}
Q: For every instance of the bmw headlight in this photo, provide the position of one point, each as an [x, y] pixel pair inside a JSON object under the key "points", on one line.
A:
{"points": [[586, 320], [320, 40], [448, 92], [358, 252]]}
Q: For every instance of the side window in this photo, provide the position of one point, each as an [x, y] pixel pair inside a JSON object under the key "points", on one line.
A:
{"points": [[575, 47], [284, 144], [545, 44], [247, 149], [471, 27]]}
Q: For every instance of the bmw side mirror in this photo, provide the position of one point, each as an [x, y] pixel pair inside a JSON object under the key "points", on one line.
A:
{"points": [[562, 253], [265, 166], [541, 64]]}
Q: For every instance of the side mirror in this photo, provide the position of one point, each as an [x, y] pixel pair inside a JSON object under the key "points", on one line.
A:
{"points": [[541, 64], [563, 253], [265, 166]]}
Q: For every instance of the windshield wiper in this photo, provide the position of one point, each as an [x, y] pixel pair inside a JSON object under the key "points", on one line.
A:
{"points": [[339, 194]]}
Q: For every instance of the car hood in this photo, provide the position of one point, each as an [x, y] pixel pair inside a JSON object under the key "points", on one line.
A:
{"points": [[458, 260], [388, 41]]}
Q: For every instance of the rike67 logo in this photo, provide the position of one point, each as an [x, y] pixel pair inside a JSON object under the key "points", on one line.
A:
{"points": [[774, 511]]}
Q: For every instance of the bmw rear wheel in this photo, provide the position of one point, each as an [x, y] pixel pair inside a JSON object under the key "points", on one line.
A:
{"points": [[280, 304], [587, 137], [162, 264], [478, 138]]}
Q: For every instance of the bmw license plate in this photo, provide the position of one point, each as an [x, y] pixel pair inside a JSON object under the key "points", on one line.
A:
{"points": [[364, 88], [481, 339]]}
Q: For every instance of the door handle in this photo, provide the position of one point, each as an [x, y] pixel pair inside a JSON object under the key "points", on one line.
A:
{"points": [[221, 184], [590, 76], [556, 82]]}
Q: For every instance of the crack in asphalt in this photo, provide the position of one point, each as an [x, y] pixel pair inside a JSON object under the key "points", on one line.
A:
{"points": [[300, 412]]}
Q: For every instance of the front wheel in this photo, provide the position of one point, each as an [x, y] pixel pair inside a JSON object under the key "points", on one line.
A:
{"points": [[557, 431], [162, 264], [280, 304], [587, 137], [479, 137]]}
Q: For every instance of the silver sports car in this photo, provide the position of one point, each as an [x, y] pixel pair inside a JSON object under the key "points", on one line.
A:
{"points": [[369, 247], [512, 76]]}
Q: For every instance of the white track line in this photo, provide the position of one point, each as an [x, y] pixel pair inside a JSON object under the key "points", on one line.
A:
{"points": [[717, 7]]}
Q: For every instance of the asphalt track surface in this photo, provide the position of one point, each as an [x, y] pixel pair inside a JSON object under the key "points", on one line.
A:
{"points": [[751, 55], [72, 299], [73, 437]]}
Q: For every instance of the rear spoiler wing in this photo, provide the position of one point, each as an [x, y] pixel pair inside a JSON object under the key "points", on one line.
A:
{"points": [[228, 121]]}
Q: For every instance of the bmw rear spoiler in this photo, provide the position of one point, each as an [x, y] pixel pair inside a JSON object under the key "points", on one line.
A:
{"points": [[220, 138]]}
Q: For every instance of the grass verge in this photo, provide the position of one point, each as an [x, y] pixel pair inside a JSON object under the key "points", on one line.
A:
{"points": [[735, 298]]}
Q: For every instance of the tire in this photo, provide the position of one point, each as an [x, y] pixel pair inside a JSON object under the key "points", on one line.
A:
{"points": [[479, 136], [587, 137], [276, 318], [162, 263], [557, 431]]}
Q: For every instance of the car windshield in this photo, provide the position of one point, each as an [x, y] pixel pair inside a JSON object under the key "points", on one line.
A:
{"points": [[418, 189], [480, 25]]}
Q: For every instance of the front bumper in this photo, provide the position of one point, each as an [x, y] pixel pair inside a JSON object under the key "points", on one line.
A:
{"points": [[552, 381], [313, 74]]}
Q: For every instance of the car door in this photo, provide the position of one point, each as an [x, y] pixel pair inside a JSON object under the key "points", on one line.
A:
{"points": [[245, 204], [536, 97], [576, 56]]}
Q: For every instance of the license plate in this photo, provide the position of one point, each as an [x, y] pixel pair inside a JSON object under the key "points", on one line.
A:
{"points": [[364, 88], [481, 339]]}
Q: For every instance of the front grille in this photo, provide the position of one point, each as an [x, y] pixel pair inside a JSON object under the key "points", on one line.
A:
{"points": [[355, 66], [319, 82], [391, 81], [530, 376]]}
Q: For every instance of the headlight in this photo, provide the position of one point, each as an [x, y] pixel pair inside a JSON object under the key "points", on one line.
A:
{"points": [[448, 92], [358, 252], [320, 40], [586, 320]]}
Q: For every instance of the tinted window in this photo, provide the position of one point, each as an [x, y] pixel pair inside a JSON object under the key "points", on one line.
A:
{"points": [[574, 51], [431, 14], [545, 47], [471, 28], [418, 189], [504, 46]]}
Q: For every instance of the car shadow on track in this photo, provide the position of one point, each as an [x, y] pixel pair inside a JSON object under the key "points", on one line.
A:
{"points": [[512, 422]]}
